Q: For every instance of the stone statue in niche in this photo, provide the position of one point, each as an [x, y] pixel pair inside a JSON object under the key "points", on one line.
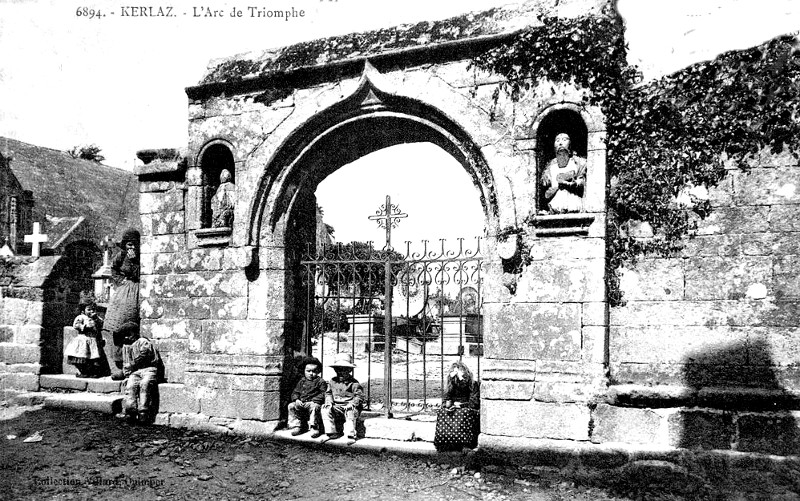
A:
{"points": [[563, 178], [222, 202]]}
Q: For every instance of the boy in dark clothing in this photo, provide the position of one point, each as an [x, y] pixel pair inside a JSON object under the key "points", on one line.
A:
{"points": [[343, 398], [142, 365], [307, 398]]}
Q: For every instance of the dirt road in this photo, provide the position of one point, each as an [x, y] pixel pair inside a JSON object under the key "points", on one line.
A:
{"points": [[84, 455]]}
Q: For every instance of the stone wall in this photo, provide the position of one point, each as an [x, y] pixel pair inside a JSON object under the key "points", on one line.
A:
{"points": [[38, 297], [195, 305], [717, 327]]}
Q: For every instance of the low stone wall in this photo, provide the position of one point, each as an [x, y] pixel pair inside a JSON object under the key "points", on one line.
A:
{"points": [[38, 297], [21, 320], [721, 321]]}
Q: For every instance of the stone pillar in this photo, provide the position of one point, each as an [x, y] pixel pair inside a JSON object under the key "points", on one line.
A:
{"points": [[545, 345], [546, 319]]}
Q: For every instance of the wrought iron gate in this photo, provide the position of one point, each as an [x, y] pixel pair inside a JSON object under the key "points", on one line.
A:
{"points": [[428, 299]]}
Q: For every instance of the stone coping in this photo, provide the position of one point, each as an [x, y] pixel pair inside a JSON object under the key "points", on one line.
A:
{"points": [[213, 237], [576, 223], [148, 155], [258, 75], [498, 22], [723, 397], [566, 453], [160, 161], [26, 271]]}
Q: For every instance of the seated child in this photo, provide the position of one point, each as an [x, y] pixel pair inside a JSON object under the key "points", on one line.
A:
{"points": [[307, 398], [458, 421], [142, 365], [84, 351], [462, 390], [343, 398]]}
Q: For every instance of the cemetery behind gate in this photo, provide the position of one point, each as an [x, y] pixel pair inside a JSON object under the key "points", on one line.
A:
{"points": [[701, 354]]}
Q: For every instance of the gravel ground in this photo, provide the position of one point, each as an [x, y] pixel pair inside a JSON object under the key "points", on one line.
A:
{"points": [[84, 455]]}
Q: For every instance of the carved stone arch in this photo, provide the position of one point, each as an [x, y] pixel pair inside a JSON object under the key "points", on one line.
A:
{"points": [[370, 119], [211, 142]]}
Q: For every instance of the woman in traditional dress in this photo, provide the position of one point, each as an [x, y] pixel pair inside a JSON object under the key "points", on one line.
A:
{"points": [[124, 305], [458, 421]]}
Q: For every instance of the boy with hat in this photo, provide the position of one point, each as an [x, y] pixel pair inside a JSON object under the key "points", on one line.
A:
{"points": [[343, 398], [307, 398]]}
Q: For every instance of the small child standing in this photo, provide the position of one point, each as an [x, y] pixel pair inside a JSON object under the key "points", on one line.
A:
{"points": [[307, 399], [83, 352], [343, 398], [142, 365]]}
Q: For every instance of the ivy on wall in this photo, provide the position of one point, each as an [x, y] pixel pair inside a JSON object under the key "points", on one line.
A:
{"points": [[664, 138]]}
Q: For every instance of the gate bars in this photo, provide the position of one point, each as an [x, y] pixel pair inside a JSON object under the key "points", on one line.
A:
{"points": [[436, 294]]}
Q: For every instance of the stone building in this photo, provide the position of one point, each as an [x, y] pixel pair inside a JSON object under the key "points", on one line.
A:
{"points": [[223, 302], [706, 341], [65, 189], [16, 206], [39, 296], [702, 355]]}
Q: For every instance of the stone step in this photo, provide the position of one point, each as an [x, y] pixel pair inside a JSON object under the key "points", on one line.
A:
{"points": [[412, 428], [96, 402], [368, 444], [106, 404], [403, 429], [69, 382]]}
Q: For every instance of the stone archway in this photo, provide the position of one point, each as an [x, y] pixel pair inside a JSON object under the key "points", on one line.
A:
{"points": [[225, 306], [368, 120]]}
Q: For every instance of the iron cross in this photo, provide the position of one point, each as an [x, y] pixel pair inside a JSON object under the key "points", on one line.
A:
{"points": [[388, 216]]}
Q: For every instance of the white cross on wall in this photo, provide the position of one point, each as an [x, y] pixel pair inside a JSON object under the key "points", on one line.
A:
{"points": [[36, 239]]}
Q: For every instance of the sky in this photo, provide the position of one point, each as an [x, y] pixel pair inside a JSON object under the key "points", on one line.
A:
{"points": [[119, 82]]}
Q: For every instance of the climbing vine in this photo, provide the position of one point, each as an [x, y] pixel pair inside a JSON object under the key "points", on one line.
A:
{"points": [[666, 141]]}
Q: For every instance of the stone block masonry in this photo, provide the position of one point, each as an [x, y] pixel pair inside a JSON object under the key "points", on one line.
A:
{"points": [[226, 307], [38, 297], [726, 311]]}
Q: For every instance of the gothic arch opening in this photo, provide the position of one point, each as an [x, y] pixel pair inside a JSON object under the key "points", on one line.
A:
{"points": [[286, 212]]}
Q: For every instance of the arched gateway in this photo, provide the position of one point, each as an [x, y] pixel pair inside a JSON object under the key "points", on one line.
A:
{"points": [[225, 300]]}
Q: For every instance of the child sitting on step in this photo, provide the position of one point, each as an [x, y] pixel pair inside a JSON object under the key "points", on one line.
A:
{"points": [[84, 351], [142, 365], [307, 399], [343, 398]]}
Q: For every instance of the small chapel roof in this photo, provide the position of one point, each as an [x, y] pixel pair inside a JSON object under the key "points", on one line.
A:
{"points": [[66, 189]]}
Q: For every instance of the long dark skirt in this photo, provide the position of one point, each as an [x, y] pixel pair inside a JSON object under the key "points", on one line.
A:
{"points": [[456, 428], [124, 307]]}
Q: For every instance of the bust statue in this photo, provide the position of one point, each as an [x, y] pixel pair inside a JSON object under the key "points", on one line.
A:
{"points": [[222, 202], [563, 178]]}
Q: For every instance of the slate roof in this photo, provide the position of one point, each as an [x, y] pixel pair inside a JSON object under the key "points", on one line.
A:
{"points": [[66, 187]]}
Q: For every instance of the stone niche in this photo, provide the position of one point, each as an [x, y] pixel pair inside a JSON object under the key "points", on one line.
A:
{"points": [[215, 157]]}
